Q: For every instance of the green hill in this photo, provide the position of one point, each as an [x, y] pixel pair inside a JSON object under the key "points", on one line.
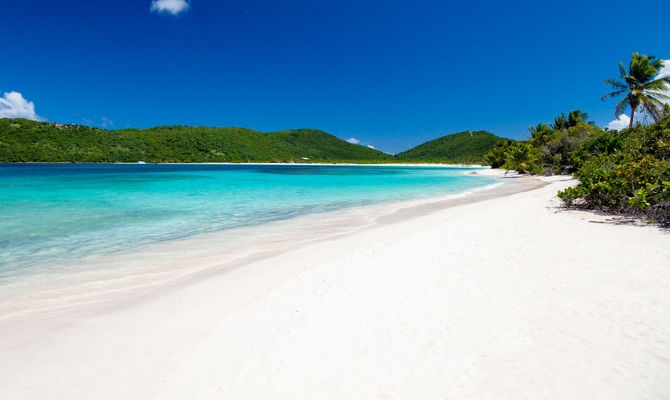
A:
{"points": [[464, 147], [30, 141]]}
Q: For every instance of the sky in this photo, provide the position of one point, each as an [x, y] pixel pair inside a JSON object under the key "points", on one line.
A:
{"points": [[391, 74]]}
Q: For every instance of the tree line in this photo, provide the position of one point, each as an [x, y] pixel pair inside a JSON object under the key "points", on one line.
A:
{"points": [[623, 172]]}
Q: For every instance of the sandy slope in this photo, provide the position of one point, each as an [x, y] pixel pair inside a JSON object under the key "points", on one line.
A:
{"points": [[507, 298]]}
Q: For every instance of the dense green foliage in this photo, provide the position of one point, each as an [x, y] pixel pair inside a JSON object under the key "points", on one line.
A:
{"points": [[626, 172], [549, 148], [556, 154], [465, 147], [640, 87], [30, 141], [497, 157]]}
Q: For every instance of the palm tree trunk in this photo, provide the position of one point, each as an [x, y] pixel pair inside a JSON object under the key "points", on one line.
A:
{"points": [[632, 115]]}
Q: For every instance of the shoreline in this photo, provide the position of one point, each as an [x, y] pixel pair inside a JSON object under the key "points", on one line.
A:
{"points": [[108, 289], [507, 297]]}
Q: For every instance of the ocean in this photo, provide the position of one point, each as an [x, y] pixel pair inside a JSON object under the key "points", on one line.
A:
{"points": [[57, 219]]}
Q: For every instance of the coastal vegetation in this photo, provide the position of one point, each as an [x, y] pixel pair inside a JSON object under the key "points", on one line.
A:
{"points": [[548, 148], [621, 172], [625, 172]]}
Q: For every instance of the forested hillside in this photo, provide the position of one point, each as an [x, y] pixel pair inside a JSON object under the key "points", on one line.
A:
{"points": [[464, 147], [30, 141]]}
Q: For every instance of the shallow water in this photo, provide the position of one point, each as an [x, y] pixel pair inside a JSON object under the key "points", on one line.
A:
{"points": [[54, 215]]}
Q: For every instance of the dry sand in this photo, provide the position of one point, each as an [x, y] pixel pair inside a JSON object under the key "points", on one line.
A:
{"points": [[504, 298]]}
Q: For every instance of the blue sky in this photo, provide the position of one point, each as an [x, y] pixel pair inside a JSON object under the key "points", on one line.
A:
{"points": [[389, 73]]}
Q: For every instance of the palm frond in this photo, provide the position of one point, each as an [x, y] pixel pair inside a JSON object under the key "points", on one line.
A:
{"points": [[616, 83], [622, 70], [621, 107], [618, 92], [658, 96], [642, 69], [653, 107], [653, 99], [661, 84], [657, 64]]}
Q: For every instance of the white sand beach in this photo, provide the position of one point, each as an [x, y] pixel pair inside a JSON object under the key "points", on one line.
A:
{"points": [[505, 298]]}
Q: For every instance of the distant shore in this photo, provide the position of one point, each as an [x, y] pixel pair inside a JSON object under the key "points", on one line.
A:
{"points": [[502, 296], [291, 164], [358, 164]]}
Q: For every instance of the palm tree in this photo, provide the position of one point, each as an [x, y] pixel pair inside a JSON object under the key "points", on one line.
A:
{"points": [[575, 117], [640, 87], [496, 158], [540, 134], [560, 123], [521, 158]]}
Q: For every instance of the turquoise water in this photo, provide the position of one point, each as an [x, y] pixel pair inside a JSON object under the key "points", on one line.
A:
{"points": [[54, 214]]}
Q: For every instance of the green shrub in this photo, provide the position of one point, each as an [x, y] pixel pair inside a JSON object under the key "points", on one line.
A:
{"points": [[557, 151]]}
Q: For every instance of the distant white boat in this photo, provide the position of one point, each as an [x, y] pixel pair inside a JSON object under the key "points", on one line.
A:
{"points": [[141, 162]]}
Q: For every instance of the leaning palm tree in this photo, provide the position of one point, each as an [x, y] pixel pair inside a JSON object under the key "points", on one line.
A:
{"points": [[640, 87]]}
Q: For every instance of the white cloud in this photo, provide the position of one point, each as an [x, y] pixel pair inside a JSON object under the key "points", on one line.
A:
{"points": [[106, 122], [13, 105], [665, 71], [353, 140], [173, 7], [620, 123]]}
